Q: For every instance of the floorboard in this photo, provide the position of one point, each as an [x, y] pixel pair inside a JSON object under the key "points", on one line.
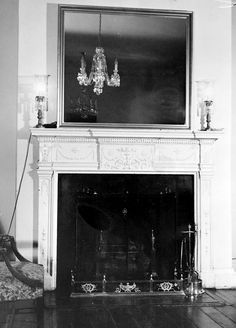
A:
{"points": [[229, 312], [141, 318], [156, 315], [68, 318], [179, 315], [100, 318], [211, 311], [201, 319], [122, 317], [219, 317], [229, 295]]}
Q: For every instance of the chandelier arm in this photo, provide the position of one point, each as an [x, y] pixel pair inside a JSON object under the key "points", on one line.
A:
{"points": [[92, 72], [108, 80], [90, 78]]}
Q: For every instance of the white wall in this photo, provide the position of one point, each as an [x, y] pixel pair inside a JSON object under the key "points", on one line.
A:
{"points": [[233, 135], [8, 110], [211, 60], [31, 62]]}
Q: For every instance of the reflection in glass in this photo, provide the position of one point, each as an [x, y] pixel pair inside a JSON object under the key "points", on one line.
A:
{"points": [[124, 226], [153, 53]]}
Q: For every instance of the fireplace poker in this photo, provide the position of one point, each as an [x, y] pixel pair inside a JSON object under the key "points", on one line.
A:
{"points": [[181, 259], [189, 232]]}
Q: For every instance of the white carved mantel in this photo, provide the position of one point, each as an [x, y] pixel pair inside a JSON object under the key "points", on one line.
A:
{"points": [[110, 150]]}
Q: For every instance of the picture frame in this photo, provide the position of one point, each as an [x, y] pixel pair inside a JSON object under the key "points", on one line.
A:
{"points": [[153, 49]]}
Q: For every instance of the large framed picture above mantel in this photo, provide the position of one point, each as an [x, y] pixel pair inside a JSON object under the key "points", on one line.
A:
{"points": [[124, 67]]}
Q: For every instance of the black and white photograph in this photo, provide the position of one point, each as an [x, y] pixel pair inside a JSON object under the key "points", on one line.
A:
{"points": [[117, 175]]}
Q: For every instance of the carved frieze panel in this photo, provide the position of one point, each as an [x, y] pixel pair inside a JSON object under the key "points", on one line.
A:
{"points": [[146, 156], [65, 150], [177, 153], [126, 157], [75, 152], [129, 154]]}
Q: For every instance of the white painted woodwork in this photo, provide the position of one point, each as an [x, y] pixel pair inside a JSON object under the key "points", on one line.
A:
{"points": [[109, 150]]}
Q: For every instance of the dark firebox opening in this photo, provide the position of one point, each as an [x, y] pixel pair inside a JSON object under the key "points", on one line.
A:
{"points": [[126, 226]]}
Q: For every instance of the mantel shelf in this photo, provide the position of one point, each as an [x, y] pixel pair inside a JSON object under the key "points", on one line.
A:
{"points": [[126, 133]]}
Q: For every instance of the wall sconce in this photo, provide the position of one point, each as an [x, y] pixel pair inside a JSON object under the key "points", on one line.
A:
{"points": [[41, 98], [205, 95]]}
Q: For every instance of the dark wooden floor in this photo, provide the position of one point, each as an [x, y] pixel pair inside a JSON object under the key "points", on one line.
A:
{"points": [[217, 308]]}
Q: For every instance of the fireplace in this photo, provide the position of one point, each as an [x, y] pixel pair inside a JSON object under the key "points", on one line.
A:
{"points": [[125, 227], [77, 158]]}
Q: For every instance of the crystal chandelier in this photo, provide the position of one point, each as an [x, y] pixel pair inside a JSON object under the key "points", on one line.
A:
{"points": [[98, 74]]}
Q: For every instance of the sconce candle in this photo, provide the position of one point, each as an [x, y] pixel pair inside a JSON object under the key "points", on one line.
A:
{"points": [[83, 63], [208, 104], [116, 65]]}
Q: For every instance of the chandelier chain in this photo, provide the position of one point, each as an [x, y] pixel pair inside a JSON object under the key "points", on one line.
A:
{"points": [[100, 29]]}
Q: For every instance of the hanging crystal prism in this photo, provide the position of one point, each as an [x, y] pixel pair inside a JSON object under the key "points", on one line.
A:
{"points": [[82, 76]]}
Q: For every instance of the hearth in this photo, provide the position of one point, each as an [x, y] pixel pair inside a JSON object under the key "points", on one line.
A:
{"points": [[119, 230]]}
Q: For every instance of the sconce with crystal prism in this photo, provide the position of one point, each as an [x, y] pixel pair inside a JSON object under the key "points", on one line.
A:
{"points": [[41, 98], [205, 95]]}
